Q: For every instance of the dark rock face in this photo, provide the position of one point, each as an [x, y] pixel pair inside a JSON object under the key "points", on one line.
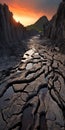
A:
{"points": [[48, 27], [55, 29], [63, 0], [58, 27], [11, 32]]}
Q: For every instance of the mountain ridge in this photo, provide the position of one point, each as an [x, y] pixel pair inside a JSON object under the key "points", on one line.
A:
{"points": [[38, 25]]}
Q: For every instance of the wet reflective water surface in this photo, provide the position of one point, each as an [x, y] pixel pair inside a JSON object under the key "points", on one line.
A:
{"points": [[32, 93]]}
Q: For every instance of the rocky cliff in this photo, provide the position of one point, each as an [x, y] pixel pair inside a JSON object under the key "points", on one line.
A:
{"points": [[58, 27], [11, 32], [55, 29]]}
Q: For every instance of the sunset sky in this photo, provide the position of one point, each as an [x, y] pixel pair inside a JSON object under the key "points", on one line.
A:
{"points": [[28, 11]]}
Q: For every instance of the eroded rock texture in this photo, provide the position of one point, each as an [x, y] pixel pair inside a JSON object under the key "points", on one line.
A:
{"points": [[55, 29], [11, 32], [32, 94]]}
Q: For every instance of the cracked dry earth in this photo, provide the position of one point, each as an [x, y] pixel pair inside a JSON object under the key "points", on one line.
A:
{"points": [[32, 94]]}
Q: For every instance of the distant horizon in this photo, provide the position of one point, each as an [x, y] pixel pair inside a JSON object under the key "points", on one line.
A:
{"points": [[29, 12]]}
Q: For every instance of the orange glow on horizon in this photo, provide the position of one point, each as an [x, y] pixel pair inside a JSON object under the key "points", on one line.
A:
{"points": [[24, 20], [26, 16]]}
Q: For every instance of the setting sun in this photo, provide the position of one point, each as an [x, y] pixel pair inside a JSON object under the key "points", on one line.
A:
{"points": [[26, 16], [29, 11], [24, 19]]}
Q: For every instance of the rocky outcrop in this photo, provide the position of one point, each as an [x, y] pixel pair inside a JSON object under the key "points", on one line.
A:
{"points": [[11, 32], [58, 27], [55, 29], [48, 27]]}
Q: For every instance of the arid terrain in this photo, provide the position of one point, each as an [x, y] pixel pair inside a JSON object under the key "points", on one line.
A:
{"points": [[32, 92], [32, 72]]}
